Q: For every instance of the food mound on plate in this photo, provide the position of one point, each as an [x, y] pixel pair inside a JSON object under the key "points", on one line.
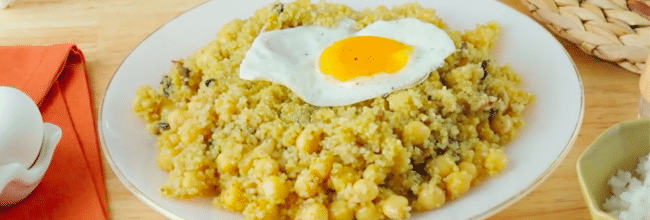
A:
{"points": [[317, 111]]}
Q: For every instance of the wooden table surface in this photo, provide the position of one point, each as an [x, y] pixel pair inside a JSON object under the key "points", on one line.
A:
{"points": [[107, 30]]}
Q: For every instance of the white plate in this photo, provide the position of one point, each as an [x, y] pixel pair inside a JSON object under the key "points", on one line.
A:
{"points": [[553, 120]]}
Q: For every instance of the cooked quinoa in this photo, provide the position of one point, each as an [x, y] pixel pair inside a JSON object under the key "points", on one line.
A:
{"points": [[255, 147]]}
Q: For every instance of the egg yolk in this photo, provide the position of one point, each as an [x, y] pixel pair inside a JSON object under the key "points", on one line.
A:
{"points": [[363, 56]]}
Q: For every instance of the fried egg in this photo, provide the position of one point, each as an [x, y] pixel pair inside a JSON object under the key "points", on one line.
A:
{"points": [[338, 66]]}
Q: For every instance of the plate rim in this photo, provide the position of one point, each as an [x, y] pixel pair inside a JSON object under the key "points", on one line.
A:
{"points": [[100, 132], [490, 212]]}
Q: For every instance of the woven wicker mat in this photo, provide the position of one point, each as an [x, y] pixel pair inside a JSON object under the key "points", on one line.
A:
{"points": [[613, 30]]}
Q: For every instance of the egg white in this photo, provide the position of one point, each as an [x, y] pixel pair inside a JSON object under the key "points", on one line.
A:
{"points": [[291, 57]]}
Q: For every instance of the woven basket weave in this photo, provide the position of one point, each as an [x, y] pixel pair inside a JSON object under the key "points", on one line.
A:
{"points": [[613, 30]]}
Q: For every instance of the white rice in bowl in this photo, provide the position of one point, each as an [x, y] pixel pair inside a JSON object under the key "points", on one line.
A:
{"points": [[631, 194]]}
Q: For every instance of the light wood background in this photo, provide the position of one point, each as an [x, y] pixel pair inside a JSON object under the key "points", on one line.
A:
{"points": [[107, 30]]}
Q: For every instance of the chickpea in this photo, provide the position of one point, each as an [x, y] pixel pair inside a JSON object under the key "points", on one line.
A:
{"points": [[457, 183], [226, 164], [501, 124], [264, 209], [266, 166], [430, 197], [306, 185], [480, 153], [322, 167], [176, 118], [233, 198], [308, 140], [396, 207], [374, 172], [274, 188], [368, 211], [443, 165], [415, 133], [365, 190], [314, 211], [468, 167], [495, 161], [341, 177], [164, 159], [339, 210], [271, 213], [189, 133], [173, 140]]}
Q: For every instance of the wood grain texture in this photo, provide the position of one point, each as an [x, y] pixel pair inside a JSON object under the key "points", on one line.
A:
{"points": [[107, 30]]}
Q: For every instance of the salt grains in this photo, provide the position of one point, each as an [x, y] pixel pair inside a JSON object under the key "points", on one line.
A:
{"points": [[631, 195]]}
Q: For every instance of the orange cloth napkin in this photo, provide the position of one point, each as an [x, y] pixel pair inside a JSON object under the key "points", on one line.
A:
{"points": [[55, 78]]}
